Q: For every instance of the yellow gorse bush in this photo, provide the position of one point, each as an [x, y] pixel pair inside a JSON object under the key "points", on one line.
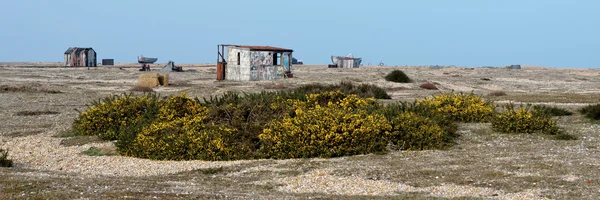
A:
{"points": [[339, 127], [327, 124], [522, 120], [460, 107], [414, 132], [107, 117], [179, 107], [186, 138]]}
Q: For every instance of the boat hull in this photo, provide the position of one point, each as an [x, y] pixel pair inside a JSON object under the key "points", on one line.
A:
{"points": [[146, 60]]}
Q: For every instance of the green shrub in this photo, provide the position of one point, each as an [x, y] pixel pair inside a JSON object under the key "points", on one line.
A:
{"points": [[459, 107], [108, 116], [94, 151], [339, 128], [285, 124], [398, 77], [362, 90], [180, 106], [497, 93], [564, 136], [550, 110], [4, 161], [591, 111], [188, 138], [404, 115], [248, 113], [523, 120], [411, 131]]}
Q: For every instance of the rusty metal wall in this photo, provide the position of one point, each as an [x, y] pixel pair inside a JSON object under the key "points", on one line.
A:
{"points": [[221, 66], [80, 57]]}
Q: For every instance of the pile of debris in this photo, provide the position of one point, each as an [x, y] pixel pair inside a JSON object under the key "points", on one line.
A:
{"points": [[171, 67]]}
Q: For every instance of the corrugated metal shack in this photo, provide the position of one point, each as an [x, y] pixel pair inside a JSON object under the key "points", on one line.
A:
{"points": [[346, 62], [80, 57], [252, 63]]}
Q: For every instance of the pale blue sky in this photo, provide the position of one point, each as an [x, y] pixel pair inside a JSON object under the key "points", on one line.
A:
{"points": [[473, 33]]}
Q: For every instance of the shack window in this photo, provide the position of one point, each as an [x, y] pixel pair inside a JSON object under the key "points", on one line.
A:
{"points": [[275, 59], [239, 58]]}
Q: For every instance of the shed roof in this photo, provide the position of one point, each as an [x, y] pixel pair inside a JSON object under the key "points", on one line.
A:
{"points": [[77, 49], [260, 48]]}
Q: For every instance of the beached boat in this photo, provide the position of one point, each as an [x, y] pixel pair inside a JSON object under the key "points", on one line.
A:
{"points": [[146, 60]]}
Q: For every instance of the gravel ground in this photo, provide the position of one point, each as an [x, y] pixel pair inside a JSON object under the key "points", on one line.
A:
{"points": [[482, 165]]}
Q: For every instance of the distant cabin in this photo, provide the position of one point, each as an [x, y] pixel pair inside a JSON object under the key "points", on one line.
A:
{"points": [[253, 63], [80, 57]]}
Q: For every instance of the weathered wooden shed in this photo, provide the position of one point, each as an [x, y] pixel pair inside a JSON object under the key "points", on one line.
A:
{"points": [[346, 61], [252, 63], [80, 57]]}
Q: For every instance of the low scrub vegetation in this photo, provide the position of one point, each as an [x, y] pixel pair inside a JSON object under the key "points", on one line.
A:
{"points": [[362, 90], [234, 126], [338, 126], [591, 111], [27, 88], [35, 113], [463, 107], [111, 116], [550, 110], [312, 121], [564, 136], [398, 77], [497, 93], [141, 89], [522, 119], [95, 151], [4, 161]]}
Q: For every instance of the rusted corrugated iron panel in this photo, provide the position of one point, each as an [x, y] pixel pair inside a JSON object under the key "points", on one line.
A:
{"points": [[80, 57]]}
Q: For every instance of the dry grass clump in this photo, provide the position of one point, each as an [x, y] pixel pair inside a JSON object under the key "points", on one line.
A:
{"points": [[4, 161], [95, 151], [550, 110], [35, 113], [274, 86], [49, 91], [428, 85], [393, 89], [591, 111], [565, 136], [362, 90], [26, 88], [497, 93], [141, 89]]}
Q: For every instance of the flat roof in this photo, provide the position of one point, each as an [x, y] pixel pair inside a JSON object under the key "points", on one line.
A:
{"points": [[259, 48]]}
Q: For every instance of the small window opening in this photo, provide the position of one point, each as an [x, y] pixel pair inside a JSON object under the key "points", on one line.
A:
{"points": [[275, 59], [239, 58]]}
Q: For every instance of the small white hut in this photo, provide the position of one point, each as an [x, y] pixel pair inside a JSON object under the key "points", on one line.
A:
{"points": [[252, 63]]}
